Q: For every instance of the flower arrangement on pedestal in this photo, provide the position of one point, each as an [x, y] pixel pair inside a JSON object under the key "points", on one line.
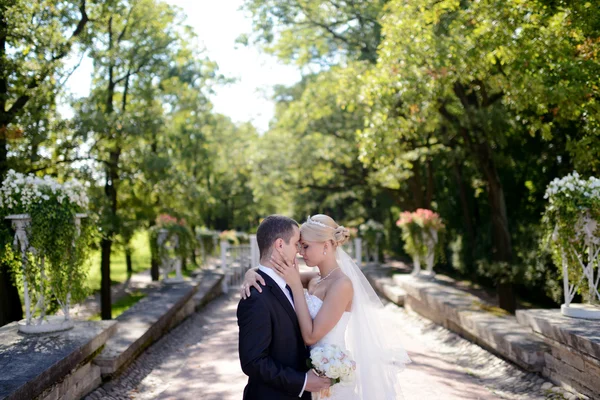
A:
{"points": [[571, 222], [421, 234], [372, 232], [229, 236], [172, 241], [49, 247]]}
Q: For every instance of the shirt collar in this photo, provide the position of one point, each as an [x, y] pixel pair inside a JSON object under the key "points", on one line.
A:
{"points": [[278, 279]]}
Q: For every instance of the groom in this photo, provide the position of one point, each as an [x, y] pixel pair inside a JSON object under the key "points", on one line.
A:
{"points": [[272, 352]]}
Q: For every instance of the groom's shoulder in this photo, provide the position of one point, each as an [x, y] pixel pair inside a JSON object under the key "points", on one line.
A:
{"points": [[256, 298]]}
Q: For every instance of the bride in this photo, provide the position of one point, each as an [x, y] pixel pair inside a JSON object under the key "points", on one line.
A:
{"points": [[339, 307]]}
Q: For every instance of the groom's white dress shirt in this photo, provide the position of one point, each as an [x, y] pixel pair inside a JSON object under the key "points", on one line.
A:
{"points": [[281, 283]]}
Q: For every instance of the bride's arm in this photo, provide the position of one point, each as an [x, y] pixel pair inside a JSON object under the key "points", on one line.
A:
{"points": [[338, 297], [252, 279]]}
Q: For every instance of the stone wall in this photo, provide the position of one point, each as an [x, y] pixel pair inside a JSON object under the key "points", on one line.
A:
{"points": [[573, 359], [51, 366], [465, 314], [68, 365], [565, 350]]}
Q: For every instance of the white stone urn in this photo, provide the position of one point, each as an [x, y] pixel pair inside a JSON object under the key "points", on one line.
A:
{"points": [[589, 262], [43, 323], [168, 263], [430, 240]]}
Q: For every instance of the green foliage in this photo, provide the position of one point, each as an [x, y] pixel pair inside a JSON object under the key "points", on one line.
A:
{"points": [[36, 38], [55, 260], [229, 236], [570, 226], [122, 305], [177, 238], [140, 259], [317, 32], [372, 232], [467, 108]]}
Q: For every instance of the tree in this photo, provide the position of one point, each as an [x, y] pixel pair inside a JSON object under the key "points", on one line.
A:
{"points": [[320, 32], [475, 74], [135, 42], [35, 38]]}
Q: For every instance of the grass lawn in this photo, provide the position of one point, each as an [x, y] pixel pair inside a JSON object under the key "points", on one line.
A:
{"points": [[121, 305], [140, 260]]}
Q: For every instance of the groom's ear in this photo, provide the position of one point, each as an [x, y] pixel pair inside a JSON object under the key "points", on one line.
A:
{"points": [[279, 243]]}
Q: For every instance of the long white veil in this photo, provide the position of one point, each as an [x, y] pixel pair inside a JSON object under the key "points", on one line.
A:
{"points": [[378, 355]]}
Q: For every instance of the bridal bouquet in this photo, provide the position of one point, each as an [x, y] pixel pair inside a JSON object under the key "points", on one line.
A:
{"points": [[333, 362]]}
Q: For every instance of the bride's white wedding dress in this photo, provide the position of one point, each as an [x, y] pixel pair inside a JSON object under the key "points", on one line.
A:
{"points": [[378, 354], [336, 336]]}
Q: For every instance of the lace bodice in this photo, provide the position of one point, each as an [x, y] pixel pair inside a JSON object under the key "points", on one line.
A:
{"points": [[337, 335]]}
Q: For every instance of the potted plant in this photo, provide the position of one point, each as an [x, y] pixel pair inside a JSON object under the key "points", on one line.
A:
{"points": [[571, 226], [49, 247], [372, 232], [421, 234], [173, 241], [229, 236]]}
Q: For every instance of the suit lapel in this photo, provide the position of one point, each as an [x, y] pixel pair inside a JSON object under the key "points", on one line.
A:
{"points": [[281, 297]]}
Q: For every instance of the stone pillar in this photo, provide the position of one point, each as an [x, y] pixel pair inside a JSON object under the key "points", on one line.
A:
{"points": [[224, 266], [254, 252], [358, 251]]}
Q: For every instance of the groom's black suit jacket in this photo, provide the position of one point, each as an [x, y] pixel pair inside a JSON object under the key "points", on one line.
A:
{"points": [[272, 352]]}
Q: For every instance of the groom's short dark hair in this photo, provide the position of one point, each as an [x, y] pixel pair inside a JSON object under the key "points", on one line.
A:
{"points": [[272, 228]]}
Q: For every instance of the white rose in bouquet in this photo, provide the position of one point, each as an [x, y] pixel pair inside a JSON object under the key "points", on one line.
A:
{"points": [[333, 362]]}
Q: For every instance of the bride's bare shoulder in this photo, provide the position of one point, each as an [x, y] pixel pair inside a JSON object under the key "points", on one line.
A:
{"points": [[343, 284]]}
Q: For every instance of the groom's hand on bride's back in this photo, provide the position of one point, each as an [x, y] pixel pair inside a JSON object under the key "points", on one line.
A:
{"points": [[316, 383]]}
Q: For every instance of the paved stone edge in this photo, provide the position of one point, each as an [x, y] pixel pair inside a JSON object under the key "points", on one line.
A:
{"points": [[63, 369], [465, 314], [572, 360], [207, 287]]}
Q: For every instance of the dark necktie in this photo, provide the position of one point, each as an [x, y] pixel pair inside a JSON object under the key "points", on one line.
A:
{"points": [[289, 289]]}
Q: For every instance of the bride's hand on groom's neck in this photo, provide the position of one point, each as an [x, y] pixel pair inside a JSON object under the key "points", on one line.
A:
{"points": [[287, 269]]}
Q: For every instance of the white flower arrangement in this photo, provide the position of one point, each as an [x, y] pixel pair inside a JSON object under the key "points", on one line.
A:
{"points": [[49, 247], [572, 185], [571, 222], [19, 192], [333, 362], [371, 225]]}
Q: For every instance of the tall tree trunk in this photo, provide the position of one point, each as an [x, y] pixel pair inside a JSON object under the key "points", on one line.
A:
{"points": [[502, 247], [467, 218], [481, 151], [105, 295], [430, 184], [414, 182], [194, 245], [128, 262], [11, 308], [154, 262], [110, 192]]}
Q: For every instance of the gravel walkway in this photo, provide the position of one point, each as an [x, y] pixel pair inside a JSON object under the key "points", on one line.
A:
{"points": [[198, 360]]}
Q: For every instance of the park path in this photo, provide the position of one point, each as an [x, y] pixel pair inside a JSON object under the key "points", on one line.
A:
{"points": [[199, 360]]}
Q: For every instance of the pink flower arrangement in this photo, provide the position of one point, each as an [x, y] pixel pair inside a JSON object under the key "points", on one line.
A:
{"points": [[422, 217], [166, 220], [405, 218]]}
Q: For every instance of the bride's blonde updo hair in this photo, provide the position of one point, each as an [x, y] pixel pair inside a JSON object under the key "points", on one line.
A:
{"points": [[321, 228]]}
